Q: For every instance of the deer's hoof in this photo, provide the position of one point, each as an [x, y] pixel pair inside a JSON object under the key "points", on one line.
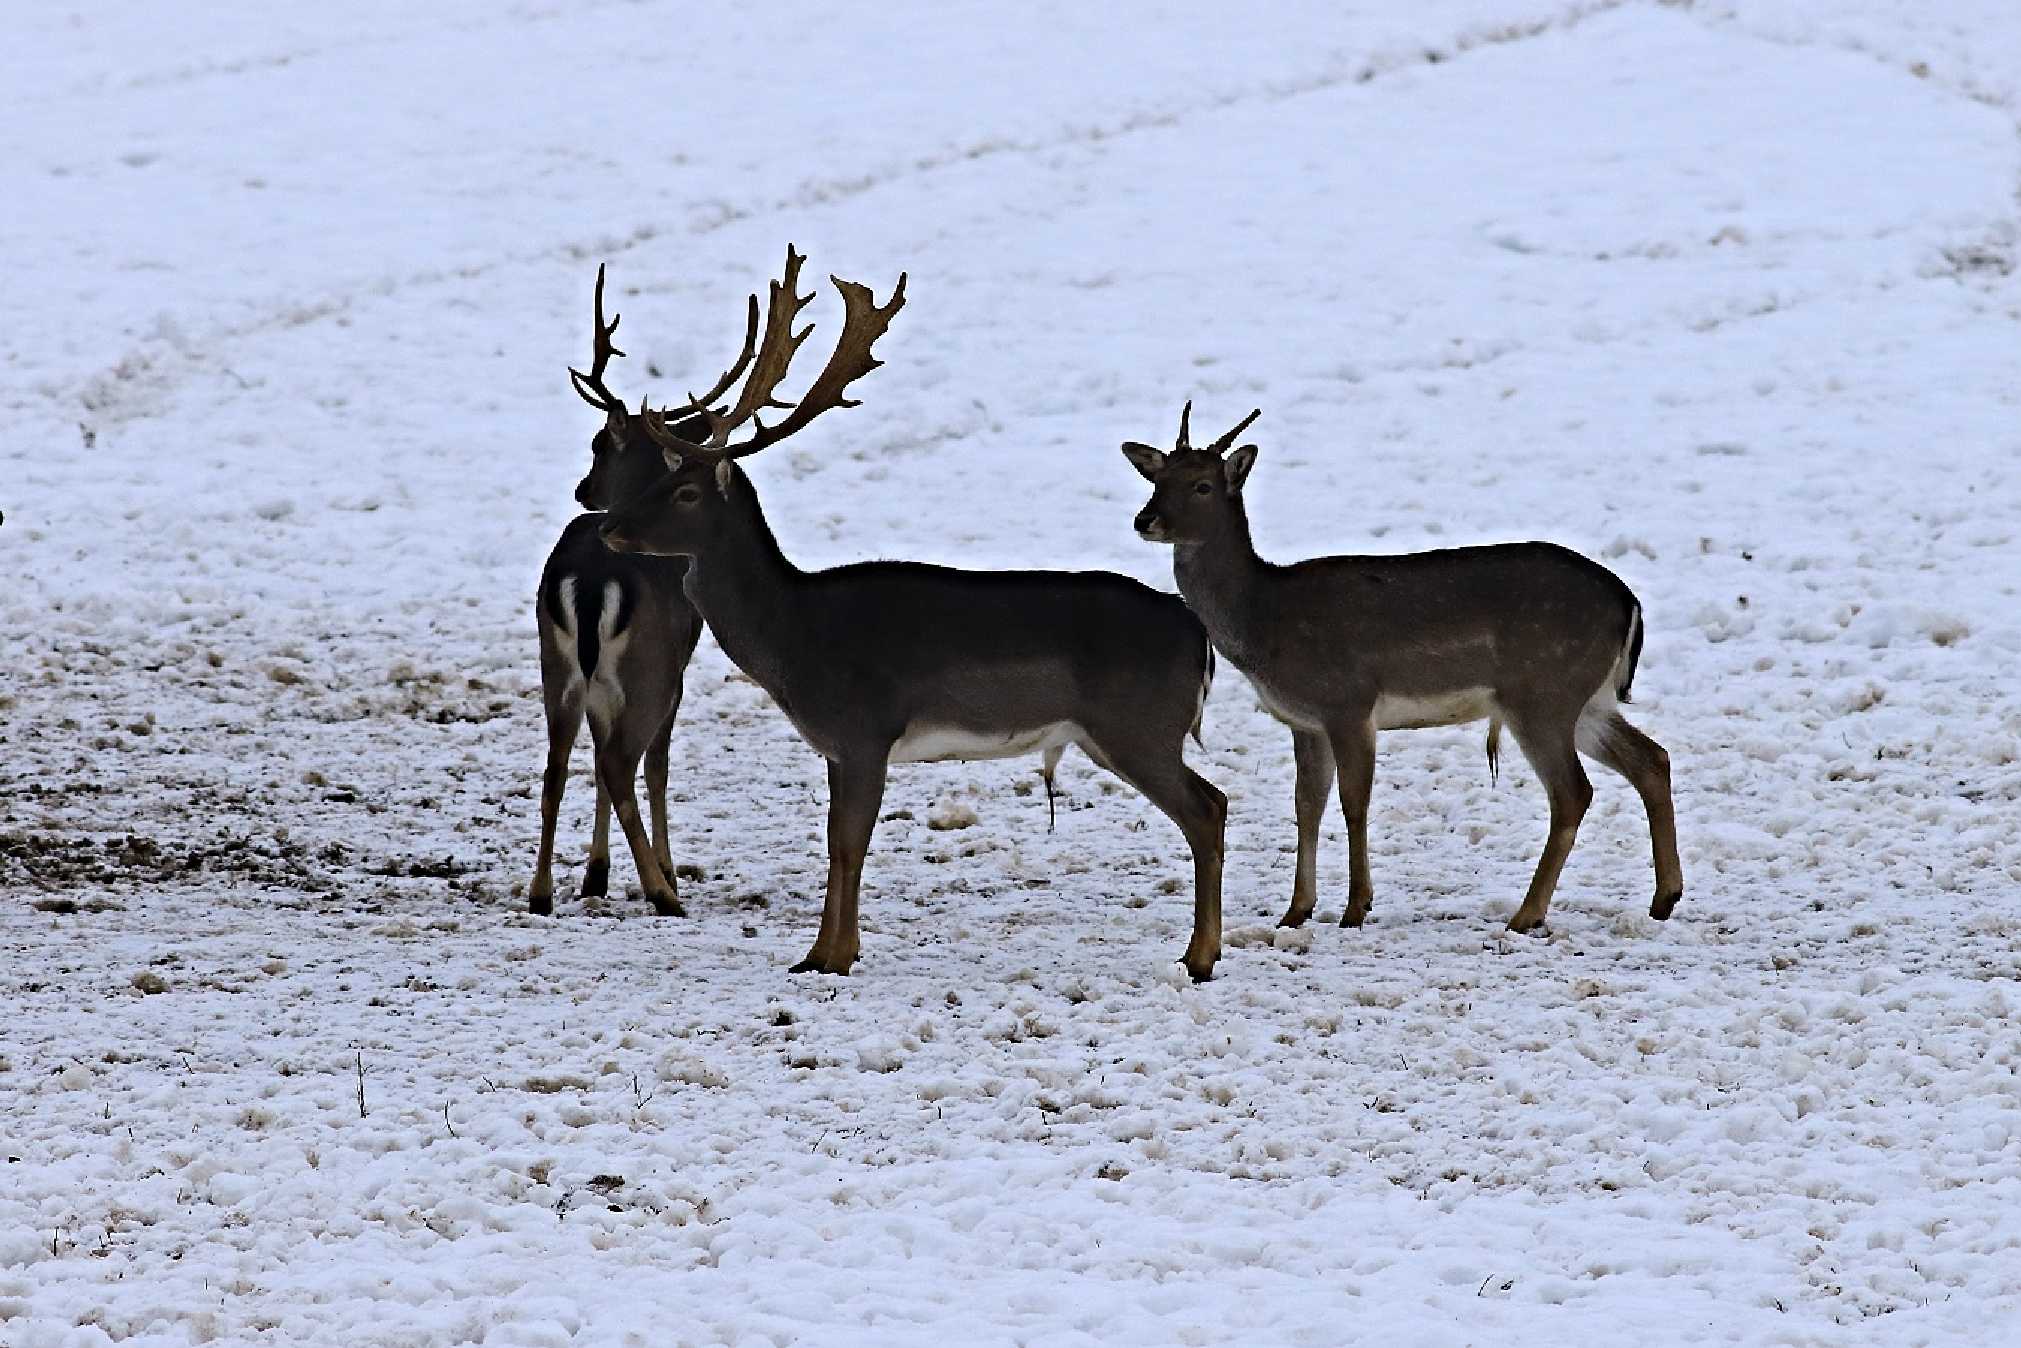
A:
{"points": [[665, 905], [1664, 905], [1294, 918], [1354, 917], [542, 906], [810, 965], [596, 879], [1524, 922]]}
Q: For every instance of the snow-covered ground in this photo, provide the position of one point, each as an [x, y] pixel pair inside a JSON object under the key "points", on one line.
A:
{"points": [[1723, 294]]}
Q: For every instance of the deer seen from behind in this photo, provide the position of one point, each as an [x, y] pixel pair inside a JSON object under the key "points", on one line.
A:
{"points": [[890, 662], [616, 634], [1530, 635]]}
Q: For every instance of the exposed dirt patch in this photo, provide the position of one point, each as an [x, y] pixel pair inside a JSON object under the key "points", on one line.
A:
{"points": [[56, 862]]}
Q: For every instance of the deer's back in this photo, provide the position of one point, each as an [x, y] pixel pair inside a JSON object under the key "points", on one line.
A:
{"points": [[935, 645], [1439, 636]]}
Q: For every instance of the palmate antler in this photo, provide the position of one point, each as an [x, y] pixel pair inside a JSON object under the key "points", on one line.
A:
{"points": [[1221, 445], [863, 322]]}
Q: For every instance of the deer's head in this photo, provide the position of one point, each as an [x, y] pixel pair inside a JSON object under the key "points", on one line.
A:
{"points": [[1193, 491], [699, 486], [682, 513]]}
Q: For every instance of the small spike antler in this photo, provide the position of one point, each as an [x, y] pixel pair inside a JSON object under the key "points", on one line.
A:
{"points": [[591, 386], [1185, 417], [1221, 445], [863, 322]]}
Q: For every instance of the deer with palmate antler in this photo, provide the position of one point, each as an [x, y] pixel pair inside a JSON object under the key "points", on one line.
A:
{"points": [[616, 634], [885, 662], [1528, 634]]}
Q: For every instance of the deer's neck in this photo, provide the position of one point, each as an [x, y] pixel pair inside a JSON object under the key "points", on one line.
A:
{"points": [[1221, 577], [749, 593]]}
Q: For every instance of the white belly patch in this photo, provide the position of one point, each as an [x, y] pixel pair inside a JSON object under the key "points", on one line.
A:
{"points": [[1397, 712], [939, 744]]}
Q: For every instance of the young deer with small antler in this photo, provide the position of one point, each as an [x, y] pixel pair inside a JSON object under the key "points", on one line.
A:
{"points": [[884, 662], [616, 634], [1530, 634]]}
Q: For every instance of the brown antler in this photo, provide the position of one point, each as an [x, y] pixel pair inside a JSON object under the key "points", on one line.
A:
{"points": [[1185, 416], [591, 385], [731, 375], [1225, 441], [863, 322], [773, 357], [775, 354]]}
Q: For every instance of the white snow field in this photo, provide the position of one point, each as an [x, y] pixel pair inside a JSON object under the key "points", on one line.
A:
{"points": [[1724, 295]]}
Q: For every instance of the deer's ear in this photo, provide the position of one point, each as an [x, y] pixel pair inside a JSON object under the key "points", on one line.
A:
{"points": [[1146, 460], [671, 458], [1238, 466], [723, 472]]}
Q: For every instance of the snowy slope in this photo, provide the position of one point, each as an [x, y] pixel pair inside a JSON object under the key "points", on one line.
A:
{"points": [[1723, 294]]}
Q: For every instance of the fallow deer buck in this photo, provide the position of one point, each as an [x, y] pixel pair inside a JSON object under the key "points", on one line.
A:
{"points": [[1528, 634], [883, 662], [616, 634]]}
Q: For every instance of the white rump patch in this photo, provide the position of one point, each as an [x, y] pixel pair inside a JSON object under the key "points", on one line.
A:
{"points": [[1397, 712], [940, 744], [605, 697], [1596, 721], [566, 630]]}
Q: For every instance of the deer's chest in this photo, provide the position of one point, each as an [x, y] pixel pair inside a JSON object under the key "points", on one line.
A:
{"points": [[1288, 705]]}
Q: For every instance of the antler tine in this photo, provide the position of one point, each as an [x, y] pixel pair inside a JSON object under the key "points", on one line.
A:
{"points": [[775, 353], [591, 386], [1185, 418], [703, 403], [1222, 444], [863, 322]]}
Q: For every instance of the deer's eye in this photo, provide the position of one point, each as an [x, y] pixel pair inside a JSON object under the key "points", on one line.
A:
{"points": [[687, 494], [1202, 488]]}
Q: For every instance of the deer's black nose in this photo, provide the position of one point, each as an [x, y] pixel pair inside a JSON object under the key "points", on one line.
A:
{"points": [[1147, 518]]}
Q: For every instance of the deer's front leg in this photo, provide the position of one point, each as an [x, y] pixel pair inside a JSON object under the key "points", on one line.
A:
{"points": [[1354, 754], [1314, 758], [855, 794]]}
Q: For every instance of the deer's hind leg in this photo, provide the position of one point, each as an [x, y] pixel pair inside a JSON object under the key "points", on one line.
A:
{"points": [[1548, 742], [596, 872], [656, 790], [1614, 743], [564, 720], [1314, 759], [1201, 812], [618, 749]]}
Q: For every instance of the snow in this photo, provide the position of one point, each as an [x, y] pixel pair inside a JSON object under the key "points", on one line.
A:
{"points": [[1722, 294]]}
